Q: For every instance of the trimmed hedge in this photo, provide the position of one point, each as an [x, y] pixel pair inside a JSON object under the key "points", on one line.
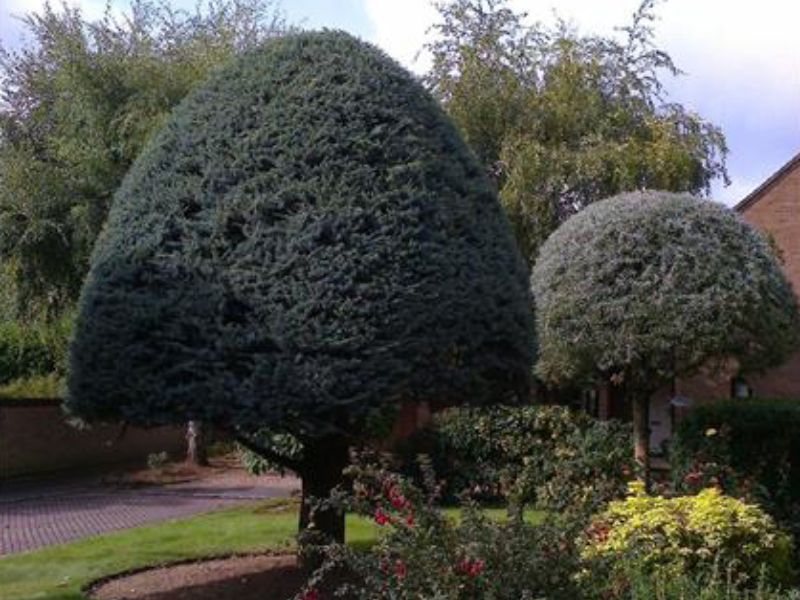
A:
{"points": [[307, 239]]}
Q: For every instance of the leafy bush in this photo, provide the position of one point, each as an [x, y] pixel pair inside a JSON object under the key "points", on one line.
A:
{"points": [[717, 586], [424, 554], [560, 459], [32, 349], [747, 447], [691, 535], [40, 386]]}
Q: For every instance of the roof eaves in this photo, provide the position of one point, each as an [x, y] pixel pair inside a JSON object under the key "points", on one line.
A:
{"points": [[757, 193]]}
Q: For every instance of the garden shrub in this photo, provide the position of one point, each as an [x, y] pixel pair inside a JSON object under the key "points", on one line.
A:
{"points": [[749, 448], [31, 349], [424, 554], [646, 585], [686, 535], [560, 459], [38, 386]]}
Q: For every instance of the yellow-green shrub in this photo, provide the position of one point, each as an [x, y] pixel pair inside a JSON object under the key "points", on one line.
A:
{"points": [[692, 535]]}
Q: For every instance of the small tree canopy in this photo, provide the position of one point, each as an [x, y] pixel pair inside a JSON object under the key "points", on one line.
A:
{"points": [[652, 285], [306, 240]]}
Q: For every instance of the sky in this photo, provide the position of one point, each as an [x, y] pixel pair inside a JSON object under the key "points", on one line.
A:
{"points": [[741, 58]]}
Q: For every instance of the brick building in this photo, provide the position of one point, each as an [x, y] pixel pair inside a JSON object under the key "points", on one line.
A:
{"points": [[773, 207]]}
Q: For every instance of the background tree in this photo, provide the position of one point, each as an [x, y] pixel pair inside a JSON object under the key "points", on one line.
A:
{"points": [[77, 104], [562, 120], [649, 286], [306, 243]]}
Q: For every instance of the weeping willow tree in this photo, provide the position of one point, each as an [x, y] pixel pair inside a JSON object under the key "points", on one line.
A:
{"points": [[562, 119]]}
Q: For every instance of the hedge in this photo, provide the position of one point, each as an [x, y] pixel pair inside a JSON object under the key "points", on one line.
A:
{"points": [[750, 448]]}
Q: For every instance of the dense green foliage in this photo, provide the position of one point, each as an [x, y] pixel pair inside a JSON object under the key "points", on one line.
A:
{"points": [[306, 240], [686, 535], [715, 586], [35, 387], [558, 459], [78, 102], [652, 285], [562, 119], [749, 448], [36, 349]]}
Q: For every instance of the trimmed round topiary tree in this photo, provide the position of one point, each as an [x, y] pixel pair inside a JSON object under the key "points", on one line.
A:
{"points": [[306, 243], [648, 286]]}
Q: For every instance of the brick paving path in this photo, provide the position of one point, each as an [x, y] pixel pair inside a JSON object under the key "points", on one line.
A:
{"points": [[37, 515]]}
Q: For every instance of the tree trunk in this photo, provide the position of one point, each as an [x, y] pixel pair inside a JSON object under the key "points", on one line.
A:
{"points": [[196, 444], [641, 435], [323, 462]]}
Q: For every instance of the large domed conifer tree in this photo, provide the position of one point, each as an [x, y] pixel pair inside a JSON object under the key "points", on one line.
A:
{"points": [[306, 242]]}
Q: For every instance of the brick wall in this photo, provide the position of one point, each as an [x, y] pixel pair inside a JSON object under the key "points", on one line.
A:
{"points": [[35, 438], [775, 209], [777, 212]]}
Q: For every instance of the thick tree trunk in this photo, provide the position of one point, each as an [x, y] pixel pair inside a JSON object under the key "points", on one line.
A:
{"points": [[641, 435], [196, 444], [323, 462]]}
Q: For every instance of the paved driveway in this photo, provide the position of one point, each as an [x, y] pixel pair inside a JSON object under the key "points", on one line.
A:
{"points": [[37, 515]]}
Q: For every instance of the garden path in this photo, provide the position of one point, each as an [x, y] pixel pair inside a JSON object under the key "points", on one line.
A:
{"points": [[38, 514]]}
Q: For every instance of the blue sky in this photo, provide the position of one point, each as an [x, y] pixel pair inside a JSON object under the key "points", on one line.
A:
{"points": [[741, 58]]}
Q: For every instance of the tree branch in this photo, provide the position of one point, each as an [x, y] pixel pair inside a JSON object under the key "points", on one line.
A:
{"points": [[268, 453]]}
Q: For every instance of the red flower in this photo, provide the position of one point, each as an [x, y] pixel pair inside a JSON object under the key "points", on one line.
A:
{"points": [[693, 478], [381, 518], [311, 594], [476, 568], [399, 502], [471, 568], [400, 569], [410, 520]]}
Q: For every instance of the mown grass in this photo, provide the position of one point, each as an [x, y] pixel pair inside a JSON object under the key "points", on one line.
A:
{"points": [[60, 572]]}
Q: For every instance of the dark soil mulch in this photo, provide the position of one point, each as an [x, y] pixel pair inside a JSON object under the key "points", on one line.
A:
{"points": [[258, 577]]}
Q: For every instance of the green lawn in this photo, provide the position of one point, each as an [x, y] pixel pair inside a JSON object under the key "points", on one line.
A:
{"points": [[59, 572]]}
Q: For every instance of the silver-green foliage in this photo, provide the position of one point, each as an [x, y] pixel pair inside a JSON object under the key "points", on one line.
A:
{"points": [[654, 284]]}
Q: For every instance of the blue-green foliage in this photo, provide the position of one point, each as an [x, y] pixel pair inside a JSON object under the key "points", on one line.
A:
{"points": [[308, 238]]}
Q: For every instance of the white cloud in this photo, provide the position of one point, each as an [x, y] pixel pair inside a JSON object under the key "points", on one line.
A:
{"points": [[399, 28]]}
